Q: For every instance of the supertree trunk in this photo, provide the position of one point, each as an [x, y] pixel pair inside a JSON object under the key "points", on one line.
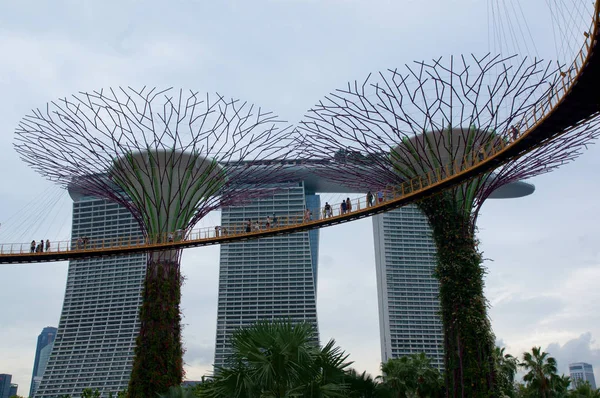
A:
{"points": [[158, 362], [468, 338]]}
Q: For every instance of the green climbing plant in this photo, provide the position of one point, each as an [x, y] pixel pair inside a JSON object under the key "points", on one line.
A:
{"points": [[468, 338], [158, 362]]}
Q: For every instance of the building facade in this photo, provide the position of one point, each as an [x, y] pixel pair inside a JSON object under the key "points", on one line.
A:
{"points": [[5, 383], [268, 278], [99, 320], [405, 255], [14, 388], [45, 339], [44, 357], [582, 372]]}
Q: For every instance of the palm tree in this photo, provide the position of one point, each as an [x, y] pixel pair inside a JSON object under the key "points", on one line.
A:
{"points": [[364, 386], [584, 390], [541, 374], [412, 375], [560, 386], [506, 366], [279, 359]]}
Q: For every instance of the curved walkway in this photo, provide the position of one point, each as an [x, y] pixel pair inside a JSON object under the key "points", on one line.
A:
{"points": [[573, 102]]}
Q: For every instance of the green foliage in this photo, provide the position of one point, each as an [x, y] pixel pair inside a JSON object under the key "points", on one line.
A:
{"points": [[541, 372], [468, 338], [412, 376], [506, 369], [89, 393], [178, 392], [158, 362], [364, 386], [584, 390], [279, 359], [541, 379]]}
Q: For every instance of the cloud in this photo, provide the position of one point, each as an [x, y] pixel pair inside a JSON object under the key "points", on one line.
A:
{"points": [[580, 349]]}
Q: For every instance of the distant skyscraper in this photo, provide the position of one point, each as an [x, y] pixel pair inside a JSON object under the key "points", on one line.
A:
{"points": [[408, 293], [409, 320], [46, 338], [269, 278], [99, 320], [13, 390], [44, 357], [5, 382], [581, 372]]}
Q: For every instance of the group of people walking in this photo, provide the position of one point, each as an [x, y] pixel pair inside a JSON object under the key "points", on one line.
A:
{"points": [[39, 247], [346, 205], [256, 226]]}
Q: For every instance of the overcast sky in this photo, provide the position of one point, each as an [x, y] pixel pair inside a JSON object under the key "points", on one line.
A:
{"points": [[285, 56]]}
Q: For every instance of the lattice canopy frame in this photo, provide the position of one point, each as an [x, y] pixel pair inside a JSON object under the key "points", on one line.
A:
{"points": [[425, 120], [399, 124], [169, 156]]}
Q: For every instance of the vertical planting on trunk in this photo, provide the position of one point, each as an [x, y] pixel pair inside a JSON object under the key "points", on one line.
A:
{"points": [[468, 337], [158, 362]]}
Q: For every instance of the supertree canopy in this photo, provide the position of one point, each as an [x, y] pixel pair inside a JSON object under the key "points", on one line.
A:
{"points": [[170, 157], [448, 113]]}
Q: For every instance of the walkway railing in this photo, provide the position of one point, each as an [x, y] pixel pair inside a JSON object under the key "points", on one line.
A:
{"points": [[356, 208], [544, 107], [409, 191]]}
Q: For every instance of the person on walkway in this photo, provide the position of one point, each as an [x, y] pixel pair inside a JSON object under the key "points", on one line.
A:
{"points": [[481, 154], [328, 212], [249, 226], [306, 215], [41, 246], [256, 226], [343, 207], [268, 223], [33, 246], [274, 220], [514, 133], [47, 245], [369, 199], [348, 205], [380, 196]]}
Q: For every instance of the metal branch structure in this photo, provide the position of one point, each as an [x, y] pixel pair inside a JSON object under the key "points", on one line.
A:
{"points": [[399, 125], [170, 157]]}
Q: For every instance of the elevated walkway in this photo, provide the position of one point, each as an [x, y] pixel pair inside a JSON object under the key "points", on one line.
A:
{"points": [[574, 102]]}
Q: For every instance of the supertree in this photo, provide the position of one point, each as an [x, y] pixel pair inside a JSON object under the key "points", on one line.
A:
{"points": [[166, 155], [396, 126]]}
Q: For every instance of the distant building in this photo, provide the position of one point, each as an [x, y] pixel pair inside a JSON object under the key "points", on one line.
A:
{"points": [[5, 383], [45, 339], [407, 290], [268, 278], [99, 320], [582, 372], [44, 356], [13, 390], [405, 257]]}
